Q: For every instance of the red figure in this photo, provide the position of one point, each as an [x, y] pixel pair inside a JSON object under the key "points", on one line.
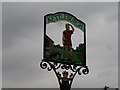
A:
{"points": [[67, 38]]}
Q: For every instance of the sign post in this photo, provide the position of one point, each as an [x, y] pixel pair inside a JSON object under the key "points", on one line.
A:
{"points": [[64, 54]]}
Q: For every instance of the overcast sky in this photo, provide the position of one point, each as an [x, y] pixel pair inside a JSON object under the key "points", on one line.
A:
{"points": [[23, 44]]}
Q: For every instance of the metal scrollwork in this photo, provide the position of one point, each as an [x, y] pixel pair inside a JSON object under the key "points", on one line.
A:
{"points": [[55, 66], [65, 66], [73, 68], [44, 65], [83, 70], [86, 70], [78, 69]]}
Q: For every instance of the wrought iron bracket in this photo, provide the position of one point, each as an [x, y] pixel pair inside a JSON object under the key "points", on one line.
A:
{"points": [[56, 66]]}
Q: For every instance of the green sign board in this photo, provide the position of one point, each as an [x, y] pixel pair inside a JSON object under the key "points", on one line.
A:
{"points": [[64, 39], [63, 16]]}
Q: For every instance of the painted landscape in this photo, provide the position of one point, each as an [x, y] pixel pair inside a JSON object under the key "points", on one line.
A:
{"points": [[57, 53]]}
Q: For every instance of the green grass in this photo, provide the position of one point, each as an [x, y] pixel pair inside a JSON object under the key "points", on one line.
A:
{"points": [[59, 54]]}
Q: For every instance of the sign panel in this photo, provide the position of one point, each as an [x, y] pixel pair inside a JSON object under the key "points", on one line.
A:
{"points": [[64, 39]]}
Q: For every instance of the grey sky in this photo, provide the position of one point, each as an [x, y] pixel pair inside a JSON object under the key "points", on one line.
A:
{"points": [[23, 44]]}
